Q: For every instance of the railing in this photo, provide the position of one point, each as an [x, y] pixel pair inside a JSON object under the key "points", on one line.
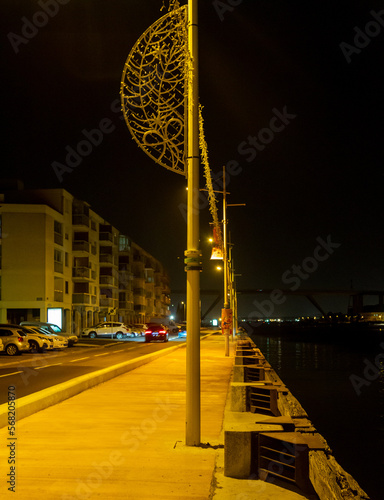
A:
{"points": [[106, 237], [81, 298], [106, 280], [81, 272], [106, 258], [58, 238], [80, 246], [80, 220], [58, 267], [106, 302]]}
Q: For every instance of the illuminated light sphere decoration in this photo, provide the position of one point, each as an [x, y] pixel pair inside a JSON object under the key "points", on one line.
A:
{"points": [[154, 97], [153, 90]]}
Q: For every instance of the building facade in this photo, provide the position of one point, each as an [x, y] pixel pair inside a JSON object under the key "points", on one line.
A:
{"points": [[61, 262]]}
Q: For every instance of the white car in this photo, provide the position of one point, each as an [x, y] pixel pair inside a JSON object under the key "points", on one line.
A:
{"points": [[52, 328], [59, 342], [108, 329], [54, 341], [38, 340]]}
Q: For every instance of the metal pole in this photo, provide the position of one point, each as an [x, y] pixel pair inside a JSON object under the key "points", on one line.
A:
{"points": [[226, 304], [192, 254]]}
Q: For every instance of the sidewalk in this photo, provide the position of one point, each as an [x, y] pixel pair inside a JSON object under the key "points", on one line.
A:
{"points": [[124, 439]]}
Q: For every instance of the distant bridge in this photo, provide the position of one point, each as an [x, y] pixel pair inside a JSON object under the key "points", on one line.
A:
{"points": [[356, 295]]}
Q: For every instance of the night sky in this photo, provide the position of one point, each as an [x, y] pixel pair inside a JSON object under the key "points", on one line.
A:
{"points": [[293, 106]]}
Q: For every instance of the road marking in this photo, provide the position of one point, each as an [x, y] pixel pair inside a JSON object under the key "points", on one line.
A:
{"points": [[87, 345], [8, 374], [47, 366], [80, 359], [121, 350], [104, 354]]}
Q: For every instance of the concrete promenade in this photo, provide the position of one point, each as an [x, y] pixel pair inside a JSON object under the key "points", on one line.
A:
{"points": [[124, 439]]}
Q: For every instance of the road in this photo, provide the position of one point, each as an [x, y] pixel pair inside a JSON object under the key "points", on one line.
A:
{"points": [[30, 372]]}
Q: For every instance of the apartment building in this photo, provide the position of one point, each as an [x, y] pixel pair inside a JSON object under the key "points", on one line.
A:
{"points": [[62, 262]]}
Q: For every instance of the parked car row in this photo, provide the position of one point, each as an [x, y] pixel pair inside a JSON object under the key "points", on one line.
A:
{"points": [[52, 328], [16, 339], [113, 329]]}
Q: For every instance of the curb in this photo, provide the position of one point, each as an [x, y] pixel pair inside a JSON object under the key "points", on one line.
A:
{"points": [[40, 400]]}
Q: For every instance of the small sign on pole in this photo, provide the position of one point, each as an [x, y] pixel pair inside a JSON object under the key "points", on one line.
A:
{"points": [[226, 321]]}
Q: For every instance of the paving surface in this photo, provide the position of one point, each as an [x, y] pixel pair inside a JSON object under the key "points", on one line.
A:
{"points": [[124, 439]]}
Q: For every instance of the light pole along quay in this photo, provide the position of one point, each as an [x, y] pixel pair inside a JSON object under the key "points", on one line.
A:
{"points": [[227, 319], [192, 254], [160, 102]]}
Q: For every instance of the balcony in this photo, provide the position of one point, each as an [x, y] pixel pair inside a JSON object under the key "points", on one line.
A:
{"points": [[80, 220], [80, 246], [58, 295], [58, 238], [106, 258], [125, 279], [139, 309], [81, 299], [106, 237], [106, 302], [107, 280], [126, 304], [58, 267], [81, 273], [138, 282], [139, 300]]}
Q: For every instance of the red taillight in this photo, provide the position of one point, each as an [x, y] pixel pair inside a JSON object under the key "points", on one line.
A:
{"points": [[20, 339], [162, 331], [148, 331]]}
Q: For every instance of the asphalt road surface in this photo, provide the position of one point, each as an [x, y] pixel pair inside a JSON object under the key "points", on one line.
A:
{"points": [[30, 373]]}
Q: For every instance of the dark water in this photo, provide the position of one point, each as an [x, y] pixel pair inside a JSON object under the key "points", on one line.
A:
{"points": [[337, 374]]}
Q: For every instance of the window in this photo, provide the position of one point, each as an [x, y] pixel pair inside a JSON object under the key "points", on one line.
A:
{"points": [[58, 232], [66, 259], [58, 261], [57, 256], [66, 287], [5, 333], [58, 227], [124, 243]]}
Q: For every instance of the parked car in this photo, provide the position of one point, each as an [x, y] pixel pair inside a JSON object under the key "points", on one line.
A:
{"points": [[38, 341], [59, 342], [110, 329], [52, 328], [155, 331], [141, 327], [55, 341], [14, 339], [135, 332]]}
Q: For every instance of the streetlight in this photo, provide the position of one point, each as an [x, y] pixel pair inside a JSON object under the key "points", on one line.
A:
{"points": [[227, 307], [227, 319]]}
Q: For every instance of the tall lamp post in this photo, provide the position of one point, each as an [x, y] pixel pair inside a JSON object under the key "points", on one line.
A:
{"points": [[227, 280], [192, 254]]}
